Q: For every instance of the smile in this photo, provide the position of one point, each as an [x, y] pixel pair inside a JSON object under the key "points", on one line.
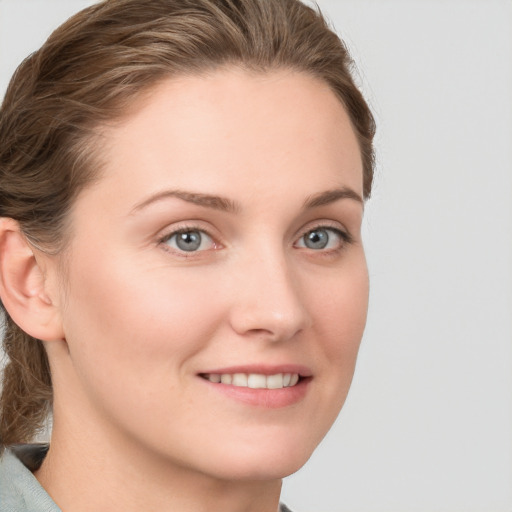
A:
{"points": [[254, 380]]}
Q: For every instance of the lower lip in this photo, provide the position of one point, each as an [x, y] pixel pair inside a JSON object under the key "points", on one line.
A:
{"points": [[269, 398]]}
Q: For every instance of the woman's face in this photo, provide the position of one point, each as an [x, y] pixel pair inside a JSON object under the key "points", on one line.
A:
{"points": [[222, 242]]}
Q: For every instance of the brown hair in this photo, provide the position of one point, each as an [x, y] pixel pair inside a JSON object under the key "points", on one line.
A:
{"points": [[90, 71]]}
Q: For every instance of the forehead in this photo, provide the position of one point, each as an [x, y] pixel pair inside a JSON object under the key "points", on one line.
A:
{"points": [[229, 128]]}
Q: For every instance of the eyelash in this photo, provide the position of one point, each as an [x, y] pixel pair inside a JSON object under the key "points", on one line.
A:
{"points": [[345, 238], [163, 241]]}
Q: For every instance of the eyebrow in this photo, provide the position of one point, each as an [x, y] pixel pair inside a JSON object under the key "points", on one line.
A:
{"points": [[227, 205], [330, 196], [205, 200]]}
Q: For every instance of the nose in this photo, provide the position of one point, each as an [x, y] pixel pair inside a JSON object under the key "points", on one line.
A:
{"points": [[268, 300]]}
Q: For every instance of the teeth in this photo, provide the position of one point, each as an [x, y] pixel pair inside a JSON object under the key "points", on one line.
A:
{"points": [[255, 380], [226, 378], [239, 379], [275, 381]]}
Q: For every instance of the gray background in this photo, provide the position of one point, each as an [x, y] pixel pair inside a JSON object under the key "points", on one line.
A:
{"points": [[428, 423]]}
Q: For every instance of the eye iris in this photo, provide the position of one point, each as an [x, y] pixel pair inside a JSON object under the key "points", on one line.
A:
{"points": [[317, 239], [189, 240]]}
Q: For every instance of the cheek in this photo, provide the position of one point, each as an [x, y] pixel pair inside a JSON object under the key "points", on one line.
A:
{"points": [[341, 310], [339, 321], [132, 337], [132, 322]]}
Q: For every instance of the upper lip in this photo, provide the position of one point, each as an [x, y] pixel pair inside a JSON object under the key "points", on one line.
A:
{"points": [[262, 369]]}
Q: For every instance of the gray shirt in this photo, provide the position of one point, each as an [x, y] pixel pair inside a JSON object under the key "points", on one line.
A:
{"points": [[19, 489]]}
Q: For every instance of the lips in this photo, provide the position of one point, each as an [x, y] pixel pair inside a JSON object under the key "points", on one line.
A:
{"points": [[267, 386], [254, 380]]}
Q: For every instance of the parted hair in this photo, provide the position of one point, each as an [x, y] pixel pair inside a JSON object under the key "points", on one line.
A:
{"points": [[89, 72]]}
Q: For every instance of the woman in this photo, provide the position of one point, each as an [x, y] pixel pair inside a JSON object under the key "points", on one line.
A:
{"points": [[181, 267]]}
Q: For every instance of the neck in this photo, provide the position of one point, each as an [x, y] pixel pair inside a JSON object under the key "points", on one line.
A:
{"points": [[90, 472]]}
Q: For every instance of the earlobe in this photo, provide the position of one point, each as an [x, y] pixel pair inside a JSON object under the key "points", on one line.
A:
{"points": [[23, 285]]}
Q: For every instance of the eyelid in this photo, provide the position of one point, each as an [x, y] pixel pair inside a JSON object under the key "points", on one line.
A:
{"points": [[169, 232], [185, 227], [330, 225]]}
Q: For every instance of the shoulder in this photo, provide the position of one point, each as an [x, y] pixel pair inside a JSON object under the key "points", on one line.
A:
{"points": [[19, 489]]}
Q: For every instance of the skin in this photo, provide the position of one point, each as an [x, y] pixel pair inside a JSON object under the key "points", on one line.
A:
{"points": [[134, 423]]}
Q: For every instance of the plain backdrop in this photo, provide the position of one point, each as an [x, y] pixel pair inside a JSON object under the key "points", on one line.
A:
{"points": [[428, 423]]}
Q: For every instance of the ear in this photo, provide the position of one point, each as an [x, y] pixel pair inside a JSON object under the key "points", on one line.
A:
{"points": [[22, 286]]}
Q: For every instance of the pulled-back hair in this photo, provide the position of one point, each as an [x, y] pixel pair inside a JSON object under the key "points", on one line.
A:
{"points": [[90, 71]]}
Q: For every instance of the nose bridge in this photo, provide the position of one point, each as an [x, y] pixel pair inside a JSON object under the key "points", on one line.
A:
{"points": [[268, 300]]}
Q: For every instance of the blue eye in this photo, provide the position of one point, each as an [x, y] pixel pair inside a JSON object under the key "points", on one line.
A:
{"points": [[322, 238], [190, 240]]}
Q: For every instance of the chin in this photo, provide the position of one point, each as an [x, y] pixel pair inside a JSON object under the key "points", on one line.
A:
{"points": [[257, 462], [276, 468]]}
